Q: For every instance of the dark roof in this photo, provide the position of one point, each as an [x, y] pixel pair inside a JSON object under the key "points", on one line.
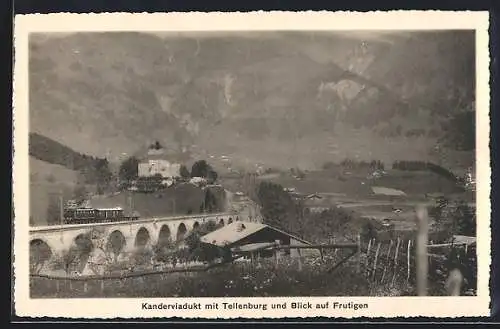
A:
{"points": [[105, 203]]}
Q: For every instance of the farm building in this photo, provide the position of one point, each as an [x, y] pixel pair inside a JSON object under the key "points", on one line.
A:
{"points": [[464, 240], [317, 203], [252, 238]]}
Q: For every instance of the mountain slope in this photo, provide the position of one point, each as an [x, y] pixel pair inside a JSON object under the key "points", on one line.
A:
{"points": [[267, 97], [47, 181]]}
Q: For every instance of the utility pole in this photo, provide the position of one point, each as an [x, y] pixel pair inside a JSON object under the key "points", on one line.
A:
{"points": [[61, 207], [61, 212], [130, 202]]}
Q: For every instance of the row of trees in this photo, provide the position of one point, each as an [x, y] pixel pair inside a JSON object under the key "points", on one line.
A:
{"points": [[355, 164], [422, 165], [398, 165], [389, 130]]}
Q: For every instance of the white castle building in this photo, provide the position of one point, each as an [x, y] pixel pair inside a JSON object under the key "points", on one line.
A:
{"points": [[157, 163]]}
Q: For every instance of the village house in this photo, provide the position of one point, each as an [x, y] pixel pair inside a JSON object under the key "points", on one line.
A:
{"points": [[315, 203]]}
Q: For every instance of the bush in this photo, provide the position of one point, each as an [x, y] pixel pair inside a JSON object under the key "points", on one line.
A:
{"points": [[316, 227], [464, 218], [129, 169], [194, 249], [278, 208]]}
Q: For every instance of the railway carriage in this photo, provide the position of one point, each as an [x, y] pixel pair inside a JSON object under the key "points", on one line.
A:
{"points": [[95, 215]]}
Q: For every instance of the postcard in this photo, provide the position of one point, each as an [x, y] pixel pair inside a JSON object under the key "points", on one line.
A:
{"points": [[251, 165]]}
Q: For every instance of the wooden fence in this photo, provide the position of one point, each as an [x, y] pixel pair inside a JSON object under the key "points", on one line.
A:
{"points": [[396, 260], [98, 283], [420, 263]]}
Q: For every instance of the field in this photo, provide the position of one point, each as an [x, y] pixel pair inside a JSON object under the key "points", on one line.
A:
{"points": [[352, 189], [357, 186]]}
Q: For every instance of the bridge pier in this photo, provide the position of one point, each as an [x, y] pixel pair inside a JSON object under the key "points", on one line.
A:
{"points": [[129, 244], [124, 235]]}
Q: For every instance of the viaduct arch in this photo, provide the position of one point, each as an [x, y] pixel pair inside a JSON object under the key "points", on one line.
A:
{"points": [[114, 238]]}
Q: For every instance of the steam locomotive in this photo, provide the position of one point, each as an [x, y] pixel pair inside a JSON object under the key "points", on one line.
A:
{"points": [[84, 215]]}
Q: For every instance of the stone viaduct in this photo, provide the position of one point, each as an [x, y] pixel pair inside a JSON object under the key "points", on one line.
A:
{"points": [[124, 236]]}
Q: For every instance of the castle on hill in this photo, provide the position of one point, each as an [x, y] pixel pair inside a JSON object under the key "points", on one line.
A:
{"points": [[158, 162]]}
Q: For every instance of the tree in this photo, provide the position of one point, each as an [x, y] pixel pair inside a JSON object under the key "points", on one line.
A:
{"points": [[184, 171], [212, 201], [212, 176], [369, 231], [278, 208], [465, 218], [103, 175], [129, 169], [200, 251], [156, 146], [202, 169]]}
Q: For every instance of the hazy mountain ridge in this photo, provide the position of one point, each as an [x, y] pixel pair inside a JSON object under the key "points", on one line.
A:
{"points": [[118, 92]]}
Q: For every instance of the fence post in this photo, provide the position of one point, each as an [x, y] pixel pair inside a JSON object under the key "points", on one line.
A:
{"points": [[397, 250], [375, 261], [422, 259], [408, 261], [300, 259], [358, 267], [335, 250], [85, 286], [368, 255], [395, 264], [387, 262], [277, 252]]}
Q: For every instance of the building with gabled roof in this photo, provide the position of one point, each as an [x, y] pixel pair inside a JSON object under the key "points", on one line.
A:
{"points": [[246, 237], [157, 161]]}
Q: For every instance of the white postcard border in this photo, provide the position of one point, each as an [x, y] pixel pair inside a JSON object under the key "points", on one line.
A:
{"points": [[255, 21]]}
